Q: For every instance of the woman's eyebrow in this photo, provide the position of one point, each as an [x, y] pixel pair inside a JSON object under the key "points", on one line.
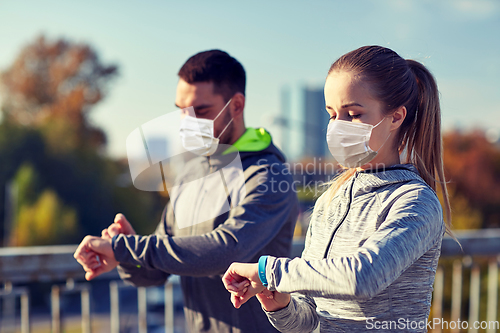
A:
{"points": [[344, 106], [350, 104]]}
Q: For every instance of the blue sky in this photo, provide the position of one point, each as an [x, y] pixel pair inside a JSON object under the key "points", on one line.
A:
{"points": [[279, 43]]}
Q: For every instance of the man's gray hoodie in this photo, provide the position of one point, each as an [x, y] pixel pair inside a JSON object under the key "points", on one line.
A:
{"points": [[196, 242]]}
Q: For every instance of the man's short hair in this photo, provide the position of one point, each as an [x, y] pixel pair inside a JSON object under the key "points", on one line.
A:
{"points": [[216, 66]]}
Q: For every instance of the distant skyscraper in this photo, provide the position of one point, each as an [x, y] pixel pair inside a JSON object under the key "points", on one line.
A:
{"points": [[284, 121], [302, 122], [315, 121]]}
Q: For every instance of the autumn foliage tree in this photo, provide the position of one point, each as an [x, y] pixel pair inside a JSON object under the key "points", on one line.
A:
{"points": [[472, 166], [51, 153], [53, 85]]}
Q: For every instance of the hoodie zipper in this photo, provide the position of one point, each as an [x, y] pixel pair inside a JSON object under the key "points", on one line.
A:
{"points": [[343, 217], [194, 227]]}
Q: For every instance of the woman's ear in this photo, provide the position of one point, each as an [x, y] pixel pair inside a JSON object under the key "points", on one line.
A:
{"points": [[398, 117], [238, 104]]}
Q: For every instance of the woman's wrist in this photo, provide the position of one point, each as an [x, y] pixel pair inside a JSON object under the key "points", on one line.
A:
{"points": [[278, 302], [262, 270]]}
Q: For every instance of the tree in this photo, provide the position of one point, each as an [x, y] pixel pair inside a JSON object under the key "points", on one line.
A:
{"points": [[48, 147], [40, 219], [472, 165], [53, 86]]}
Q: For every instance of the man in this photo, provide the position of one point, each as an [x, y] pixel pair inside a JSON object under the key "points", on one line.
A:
{"points": [[259, 218]]}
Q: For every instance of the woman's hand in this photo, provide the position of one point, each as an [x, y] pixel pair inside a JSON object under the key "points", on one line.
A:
{"points": [[243, 282], [275, 302]]}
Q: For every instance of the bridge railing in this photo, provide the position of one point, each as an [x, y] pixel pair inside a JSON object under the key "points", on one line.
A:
{"points": [[466, 282]]}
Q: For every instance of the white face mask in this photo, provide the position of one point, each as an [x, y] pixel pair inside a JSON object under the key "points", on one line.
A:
{"points": [[349, 142], [197, 134]]}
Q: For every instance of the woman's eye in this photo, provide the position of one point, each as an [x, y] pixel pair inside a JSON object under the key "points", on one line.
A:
{"points": [[333, 117], [355, 116]]}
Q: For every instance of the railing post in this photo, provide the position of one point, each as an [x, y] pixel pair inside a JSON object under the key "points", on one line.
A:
{"points": [[9, 294], [456, 292], [169, 308], [85, 300], [491, 314], [9, 310], [25, 313], [474, 296], [70, 287], [142, 309], [55, 309], [115, 307], [437, 304]]}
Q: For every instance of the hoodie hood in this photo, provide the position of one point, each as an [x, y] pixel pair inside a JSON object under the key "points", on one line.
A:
{"points": [[373, 179], [254, 142], [254, 139]]}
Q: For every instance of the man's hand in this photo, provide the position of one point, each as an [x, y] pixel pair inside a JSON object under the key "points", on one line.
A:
{"points": [[120, 226], [96, 256]]}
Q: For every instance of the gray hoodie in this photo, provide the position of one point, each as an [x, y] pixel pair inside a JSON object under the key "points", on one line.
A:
{"points": [[369, 261], [260, 221]]}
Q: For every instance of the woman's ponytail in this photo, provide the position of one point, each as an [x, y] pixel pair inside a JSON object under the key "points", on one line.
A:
{"points": [[422, 141]]}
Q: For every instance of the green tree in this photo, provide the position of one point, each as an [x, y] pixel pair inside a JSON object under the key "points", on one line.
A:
{"points": [[40, 219]]}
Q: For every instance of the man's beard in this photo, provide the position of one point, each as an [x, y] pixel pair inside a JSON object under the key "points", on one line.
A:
{"points": [[227, 136]]}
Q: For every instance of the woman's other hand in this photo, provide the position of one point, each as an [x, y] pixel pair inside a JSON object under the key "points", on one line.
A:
{"points": [[276, 301], [242, 281]]}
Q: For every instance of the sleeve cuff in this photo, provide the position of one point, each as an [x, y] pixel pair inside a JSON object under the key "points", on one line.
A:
{"points": [[269, 272], [118, 247], [284, 312], [113, 241]]}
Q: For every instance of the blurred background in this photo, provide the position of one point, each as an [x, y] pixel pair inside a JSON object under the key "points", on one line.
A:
{"points": [[76, 78]]}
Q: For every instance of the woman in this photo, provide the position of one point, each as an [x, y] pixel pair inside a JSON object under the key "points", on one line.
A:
{"points": [[374, 238]]}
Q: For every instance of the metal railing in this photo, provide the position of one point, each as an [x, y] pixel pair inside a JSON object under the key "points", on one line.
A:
{"points": [[480, 252], [56, 263]]}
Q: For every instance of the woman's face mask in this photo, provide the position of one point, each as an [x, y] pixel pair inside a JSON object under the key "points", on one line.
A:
{"points": [[349, 142], [197, 134]]}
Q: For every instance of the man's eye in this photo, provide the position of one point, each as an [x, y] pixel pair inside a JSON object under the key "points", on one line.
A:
{"points": [[355, 116], [201, 112]]}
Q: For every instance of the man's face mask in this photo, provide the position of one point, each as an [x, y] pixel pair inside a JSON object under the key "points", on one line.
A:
{"points": [[349, 142], [197, 134]]}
